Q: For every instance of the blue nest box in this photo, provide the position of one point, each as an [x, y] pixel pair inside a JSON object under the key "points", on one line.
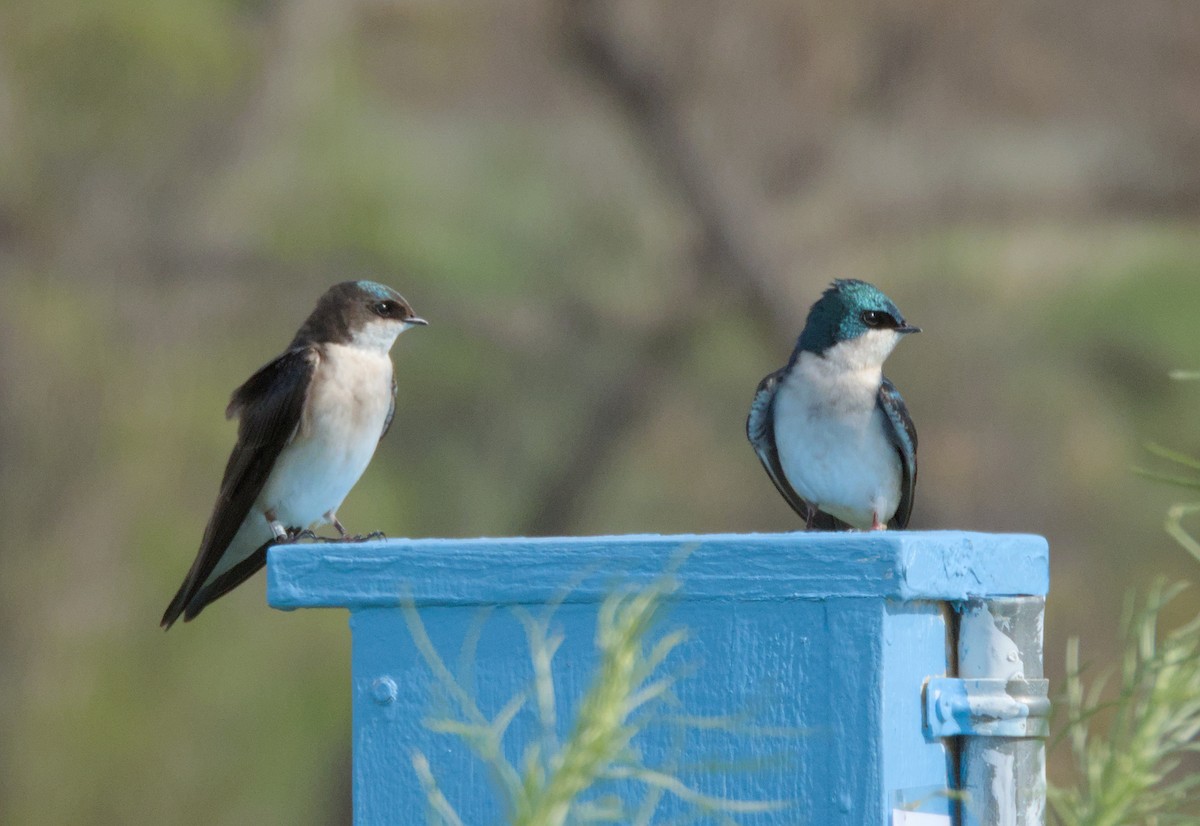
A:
{"points": [[854, 678]]}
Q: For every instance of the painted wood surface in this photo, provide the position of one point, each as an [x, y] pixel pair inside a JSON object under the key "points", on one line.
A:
{"points": [[810, 648]]}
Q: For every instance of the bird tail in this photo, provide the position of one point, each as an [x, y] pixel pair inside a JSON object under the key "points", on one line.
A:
{"points": [[193, 596], [177, 605], [221, 585]]}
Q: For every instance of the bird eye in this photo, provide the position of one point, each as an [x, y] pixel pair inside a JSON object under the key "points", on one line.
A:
{"points": [[385, 309], [876, 319]]}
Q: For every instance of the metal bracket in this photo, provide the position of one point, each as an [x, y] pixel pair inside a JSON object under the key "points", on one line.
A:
{"points": [[987, 707]]}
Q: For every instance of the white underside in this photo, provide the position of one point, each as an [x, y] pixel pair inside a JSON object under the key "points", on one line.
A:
{"points": [[343, 419], [831, 436]]}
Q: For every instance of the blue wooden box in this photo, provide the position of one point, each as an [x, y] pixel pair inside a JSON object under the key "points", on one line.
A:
{"points": [[802, 679]]}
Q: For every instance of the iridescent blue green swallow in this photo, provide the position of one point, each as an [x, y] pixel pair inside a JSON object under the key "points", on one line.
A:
{"points": [[833, 434], [308, 424]]}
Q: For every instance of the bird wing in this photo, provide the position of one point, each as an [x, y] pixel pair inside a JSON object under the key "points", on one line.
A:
{"points": [[269, 406], [760, 429], [387, 423], [903, 436]]}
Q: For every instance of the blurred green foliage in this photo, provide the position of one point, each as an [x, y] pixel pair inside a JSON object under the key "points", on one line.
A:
{"points": [[557, 780], [1132, 753], [179, 183]]}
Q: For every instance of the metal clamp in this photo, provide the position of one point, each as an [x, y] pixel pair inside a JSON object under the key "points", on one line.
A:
{"points": [[987, 707]]}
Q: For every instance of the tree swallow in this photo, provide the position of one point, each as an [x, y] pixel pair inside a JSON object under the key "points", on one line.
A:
{"points": [[832, 432], [309, 422]]}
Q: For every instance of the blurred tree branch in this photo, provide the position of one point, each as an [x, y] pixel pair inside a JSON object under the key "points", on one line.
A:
{"points": [[614, 412], [728, 266], [731, 258], [291, 78]]}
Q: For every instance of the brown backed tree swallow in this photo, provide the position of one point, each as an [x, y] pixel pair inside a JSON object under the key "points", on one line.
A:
{"points": [[308, 424]]}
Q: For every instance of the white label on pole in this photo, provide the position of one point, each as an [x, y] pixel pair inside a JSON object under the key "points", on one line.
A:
{"points": [[902, 818]]}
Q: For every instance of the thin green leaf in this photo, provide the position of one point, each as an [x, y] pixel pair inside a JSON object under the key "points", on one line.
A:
{"points": [[1168, 478], [437, 801], [1175, 516], [1173, 456], [679, 789]]}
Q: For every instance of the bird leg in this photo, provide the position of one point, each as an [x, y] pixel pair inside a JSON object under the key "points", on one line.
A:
{"points": [[308, 533], [296, 534], [331, 517], [876, 525], [288, 536], [277, 529], [343, 536]]}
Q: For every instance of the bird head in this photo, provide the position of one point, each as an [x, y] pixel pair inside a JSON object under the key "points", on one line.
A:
{"points": [[858, 319], [361, 313]]}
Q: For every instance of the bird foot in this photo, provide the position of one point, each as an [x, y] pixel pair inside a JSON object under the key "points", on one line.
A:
{"points": [[316, 537], [876, 525], [294, 535]]}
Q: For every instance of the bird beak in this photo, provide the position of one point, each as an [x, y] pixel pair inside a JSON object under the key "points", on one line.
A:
{"points": [[904, 329], [417, 321]]}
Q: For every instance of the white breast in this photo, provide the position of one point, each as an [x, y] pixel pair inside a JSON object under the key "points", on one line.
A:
{"points": [[832, 440], [343, 418]]}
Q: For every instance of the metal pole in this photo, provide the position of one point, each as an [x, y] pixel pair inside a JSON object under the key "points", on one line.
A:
{"points": [[1004, 759]]}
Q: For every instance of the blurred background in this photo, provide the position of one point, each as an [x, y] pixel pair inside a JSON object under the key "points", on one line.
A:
{"points": [[615, 214]]}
